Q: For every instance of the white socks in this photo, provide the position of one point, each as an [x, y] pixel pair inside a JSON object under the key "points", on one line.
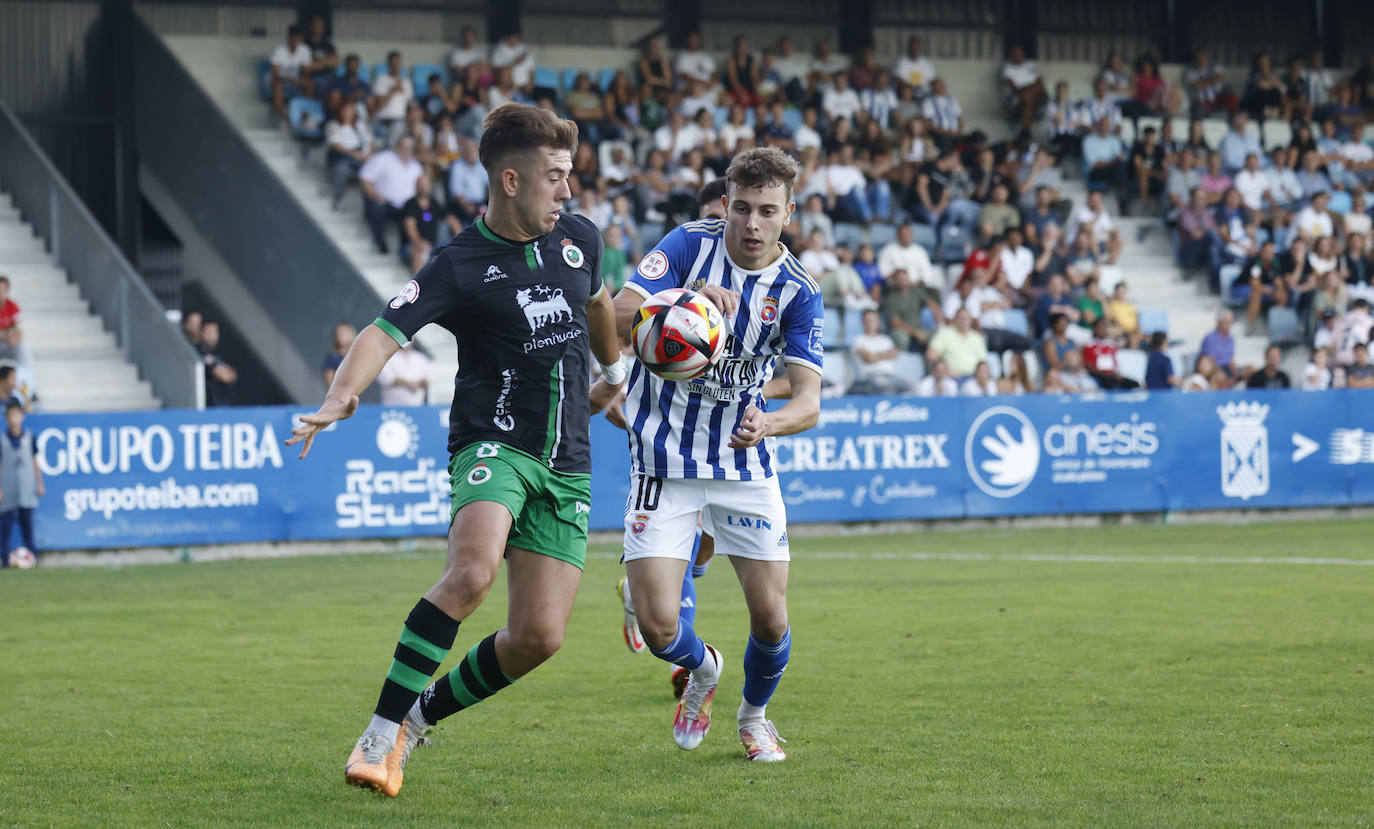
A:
{"points": [[384, 727], [750, 712]]}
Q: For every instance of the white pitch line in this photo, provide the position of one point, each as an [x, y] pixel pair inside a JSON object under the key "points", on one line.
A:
{"points": [[1066, 558]]}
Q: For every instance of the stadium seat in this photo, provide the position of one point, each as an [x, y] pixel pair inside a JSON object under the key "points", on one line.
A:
{"points": [[853, 325], [545, 78], [649, 235], [879, 234], [835, 370], [1283, 326], [911, 365], [419, 77], [1153, 319], [849, 234], [722, 116], [379, 69], [833, 335], [954, 244], [301, 109], [792, 118], [1277, 134], [265, 79], [604, 78], [1131, 362], [568, 77], [1014, 320], [1234, 296], [924, 235], [1213, 129], [1127, 133], [364, 73]]}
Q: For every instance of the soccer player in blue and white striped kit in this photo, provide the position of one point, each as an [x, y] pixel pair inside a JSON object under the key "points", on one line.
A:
{"points": [[699, 448]]}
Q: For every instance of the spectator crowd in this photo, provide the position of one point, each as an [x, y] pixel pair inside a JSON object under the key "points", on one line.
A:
{"points": [[955, 264]]}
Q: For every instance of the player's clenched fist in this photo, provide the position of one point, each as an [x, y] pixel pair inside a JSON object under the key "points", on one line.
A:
{"points": [[753, 427]]}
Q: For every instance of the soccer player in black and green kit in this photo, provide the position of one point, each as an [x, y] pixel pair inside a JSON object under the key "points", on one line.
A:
{"points": [[521, 292]]}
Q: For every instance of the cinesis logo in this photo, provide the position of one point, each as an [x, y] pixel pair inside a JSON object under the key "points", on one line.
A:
{"points": [[1002, 450]]}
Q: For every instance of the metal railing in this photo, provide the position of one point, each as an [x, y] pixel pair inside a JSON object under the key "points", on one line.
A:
{"points": [[95, 263]]}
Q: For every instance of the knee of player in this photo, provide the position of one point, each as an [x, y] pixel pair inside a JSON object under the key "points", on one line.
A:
{"points": [[769, 626], [658, 632], [537, 643], [469, 582]]}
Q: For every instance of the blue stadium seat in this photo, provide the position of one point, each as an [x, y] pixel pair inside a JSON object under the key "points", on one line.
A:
{"points": [[1283, 326], [545, 78], [792, 118], [835, 370], [1153, 319], [927, 319], [378, 70], [849, 234], [722, 116], [1232, 294], [649, 235], [604, 78], [306, 108], [568, 77], [911, 366], [953, 245], [833, 335], [265, 79], [419, 77], [853, 325], [879, 234], [924, 235], [1014, 320], [1131, 363], [364, 73], [749, 118]]}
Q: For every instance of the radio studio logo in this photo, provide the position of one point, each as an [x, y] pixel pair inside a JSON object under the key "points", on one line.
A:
{"points": [[1244, 450], [1002, 451]]}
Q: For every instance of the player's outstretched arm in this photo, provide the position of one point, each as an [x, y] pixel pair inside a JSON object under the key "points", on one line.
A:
{"points": [[605, 337], [625, 304], [364, 361], [796, 415]]}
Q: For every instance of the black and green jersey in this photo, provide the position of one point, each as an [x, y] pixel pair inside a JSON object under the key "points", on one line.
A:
{"points": [[519, 314]]}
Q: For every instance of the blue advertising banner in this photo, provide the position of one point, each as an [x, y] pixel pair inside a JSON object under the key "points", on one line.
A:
{"points": [[223, 475]]}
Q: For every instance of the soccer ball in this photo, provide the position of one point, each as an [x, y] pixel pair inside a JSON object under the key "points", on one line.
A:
{"points": [[678, 334], [23, 558]]}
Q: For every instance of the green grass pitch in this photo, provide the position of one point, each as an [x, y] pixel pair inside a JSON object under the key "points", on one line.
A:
{"points": [[1132, 676]]}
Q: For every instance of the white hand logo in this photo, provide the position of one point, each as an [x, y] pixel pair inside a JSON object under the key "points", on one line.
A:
{"points": [[1014, 461]]}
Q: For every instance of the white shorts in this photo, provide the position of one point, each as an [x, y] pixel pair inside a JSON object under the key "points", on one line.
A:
{"points": [[746, 518]]}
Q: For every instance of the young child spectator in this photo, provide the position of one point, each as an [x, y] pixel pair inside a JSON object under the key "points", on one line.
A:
{"points": [[14, 351], [1316, 376], [1099, 357], [1159, 369], [1360, 375], [1203, 370], [21, 482], [9, 311], [342, 339], [980, 384], [868, 272]]}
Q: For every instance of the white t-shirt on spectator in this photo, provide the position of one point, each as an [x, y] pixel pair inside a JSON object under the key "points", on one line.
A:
{"points": [[831, 65], [462, 56], [406, 364], [353, 138], [289, 62], [730, 135], [393, 179], [839, 104], [1017, 266], [792, 68], [974, 302], [1101, 224], [518, 58], [1357, 223], [1316, 379], [691, 105], [395, 107], [913, 259], [806, 137], [843, 178], [696, 65], [676, 146], [1314, 224], [1284, 185], [1357, 152], [817, 264], [1251, 186], [970, 388], [875, 344], [930, 387], [1023, 75], [916, 72]]}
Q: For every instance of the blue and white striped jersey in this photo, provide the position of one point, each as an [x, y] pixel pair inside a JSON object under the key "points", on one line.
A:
{"points": [[682, 429]]}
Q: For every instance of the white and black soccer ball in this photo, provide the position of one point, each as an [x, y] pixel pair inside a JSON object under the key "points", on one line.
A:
{"points": [[23, 558]]}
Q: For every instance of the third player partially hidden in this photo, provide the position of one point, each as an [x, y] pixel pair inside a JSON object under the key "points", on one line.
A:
{"points": [[699, 448]]}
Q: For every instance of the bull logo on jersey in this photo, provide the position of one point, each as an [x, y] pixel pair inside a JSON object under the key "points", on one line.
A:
{"points": [[543, 306], [769, 312]]}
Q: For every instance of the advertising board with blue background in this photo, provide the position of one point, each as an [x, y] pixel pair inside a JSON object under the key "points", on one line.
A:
{"points": [[223, 476]]}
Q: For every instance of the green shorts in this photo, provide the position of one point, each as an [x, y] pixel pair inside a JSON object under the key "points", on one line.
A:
{"points": [[550, 509]]}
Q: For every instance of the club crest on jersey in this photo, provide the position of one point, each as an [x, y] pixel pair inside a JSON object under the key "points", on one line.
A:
{"points": [[408, 294], [654, 265], [769, 312], [641, 523], [572, 254]]}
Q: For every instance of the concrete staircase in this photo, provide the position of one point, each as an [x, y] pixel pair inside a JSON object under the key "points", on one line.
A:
{"points": [[78, 366], [304, 176]]}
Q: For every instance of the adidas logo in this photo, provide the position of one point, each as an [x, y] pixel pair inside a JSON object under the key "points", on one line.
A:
{"points": [[782, 540], [494, 273]]}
